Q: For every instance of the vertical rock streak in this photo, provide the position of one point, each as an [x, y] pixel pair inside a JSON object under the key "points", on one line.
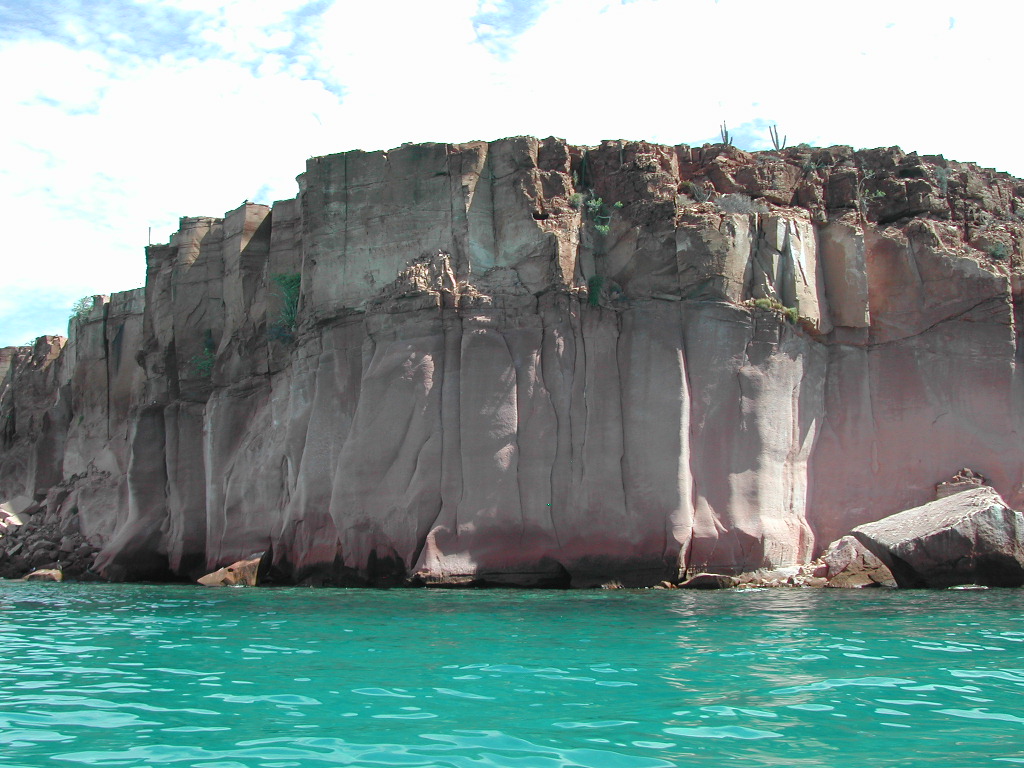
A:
{"points": [[532, 363]]}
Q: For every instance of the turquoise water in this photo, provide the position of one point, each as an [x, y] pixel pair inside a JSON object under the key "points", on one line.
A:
{"points": [[115, 675]]}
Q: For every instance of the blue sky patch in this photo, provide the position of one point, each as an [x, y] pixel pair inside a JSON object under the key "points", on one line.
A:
{"points": [[114, 27], [497, 24]]}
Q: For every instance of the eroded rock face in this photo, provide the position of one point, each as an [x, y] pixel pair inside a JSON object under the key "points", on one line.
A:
{"points": [[525, 362], [971, 537]]}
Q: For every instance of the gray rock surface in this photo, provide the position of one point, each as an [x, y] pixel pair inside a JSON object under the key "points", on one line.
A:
{"points": [[971, 537], [850, 565], [527, 362]]}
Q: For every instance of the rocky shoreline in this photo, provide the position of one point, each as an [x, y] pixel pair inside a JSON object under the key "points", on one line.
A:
{"points": [[967, 537]]}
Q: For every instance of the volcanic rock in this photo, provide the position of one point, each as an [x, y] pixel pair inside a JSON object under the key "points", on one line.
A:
{"points": [[971, 537], [708, 581], [527, 362], [850, 565], [243, 573]]}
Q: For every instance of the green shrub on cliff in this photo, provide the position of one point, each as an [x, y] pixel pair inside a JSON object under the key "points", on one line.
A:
{"points": [[772, 305], [80, 309], [998, 251], [201, 366], [287, 290], [595, 209], [599, 215]]}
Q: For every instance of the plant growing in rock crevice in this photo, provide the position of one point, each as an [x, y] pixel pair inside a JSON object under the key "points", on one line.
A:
{"points": [[599, 215], [699, 192], [288, 285], [812, 166], [774, 305], [998, 251], [200, 366], [865, 195], [595, 209], [594, 286]]}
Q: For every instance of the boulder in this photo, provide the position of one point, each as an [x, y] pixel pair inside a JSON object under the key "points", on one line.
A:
{"points": [[709, 581], [971, 537], [243, 573], [45, 574], [850, 565]]}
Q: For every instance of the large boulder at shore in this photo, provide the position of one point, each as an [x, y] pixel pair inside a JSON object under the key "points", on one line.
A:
{"points": [[972, 537]]}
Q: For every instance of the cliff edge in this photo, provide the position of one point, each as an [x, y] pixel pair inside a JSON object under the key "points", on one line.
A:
{"points": [[525, 362]]}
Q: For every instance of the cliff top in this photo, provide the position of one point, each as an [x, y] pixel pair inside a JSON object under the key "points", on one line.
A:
{"points": [[886, 185]]}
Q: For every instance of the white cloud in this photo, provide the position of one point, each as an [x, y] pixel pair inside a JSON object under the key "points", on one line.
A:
{"points": [[118, 124], [95, 154]]}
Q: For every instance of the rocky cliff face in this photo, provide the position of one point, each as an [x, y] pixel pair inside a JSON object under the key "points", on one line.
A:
{"points": [[532, 363]]}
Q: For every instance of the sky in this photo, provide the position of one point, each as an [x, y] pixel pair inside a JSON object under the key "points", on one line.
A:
{"points": [[120, 116]]}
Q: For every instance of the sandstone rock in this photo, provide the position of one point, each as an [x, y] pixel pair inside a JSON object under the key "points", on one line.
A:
{"points": [[848, 564], [244, 573], [45, 574], [971, 537]]}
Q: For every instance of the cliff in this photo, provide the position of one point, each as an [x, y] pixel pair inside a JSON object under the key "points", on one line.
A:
{"points": [[525, 362]]}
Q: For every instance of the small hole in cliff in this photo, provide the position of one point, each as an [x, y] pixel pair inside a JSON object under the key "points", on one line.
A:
{"points": [[911, 173], [541, 215]]}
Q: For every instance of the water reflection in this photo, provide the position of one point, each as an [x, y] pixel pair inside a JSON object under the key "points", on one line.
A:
{"points": [[105, 675]]}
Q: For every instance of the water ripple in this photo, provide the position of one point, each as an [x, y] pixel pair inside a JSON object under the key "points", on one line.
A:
{"points": [[502, 751], [723, 732], [824, 685], [132, 675]]}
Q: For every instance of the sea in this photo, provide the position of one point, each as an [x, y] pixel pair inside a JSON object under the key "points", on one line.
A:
{"points": [[189, 677]]}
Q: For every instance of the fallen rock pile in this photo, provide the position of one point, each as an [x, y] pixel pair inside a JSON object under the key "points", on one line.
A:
{"points": [[36, 539]]}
